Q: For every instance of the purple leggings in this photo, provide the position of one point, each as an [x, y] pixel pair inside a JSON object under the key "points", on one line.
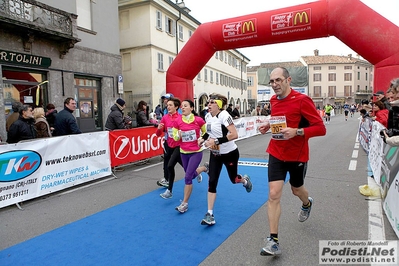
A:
{"points": [[190, 163]]}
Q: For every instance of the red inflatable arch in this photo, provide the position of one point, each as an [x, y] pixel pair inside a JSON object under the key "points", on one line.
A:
{"points": [[362, 29]]}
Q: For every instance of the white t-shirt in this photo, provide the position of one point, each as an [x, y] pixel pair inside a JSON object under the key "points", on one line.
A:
{"points": [[216, 127]]}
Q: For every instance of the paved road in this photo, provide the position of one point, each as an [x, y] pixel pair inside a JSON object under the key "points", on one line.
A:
{"points": [[340, 212]]}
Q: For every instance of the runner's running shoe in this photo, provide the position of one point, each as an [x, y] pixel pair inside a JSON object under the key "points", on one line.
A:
{"points": [[182, 208], [166, 195], [271, 249], [208, 219], [248, 186], [199, 178], [304, 213], [206, 165], [163, 183]]}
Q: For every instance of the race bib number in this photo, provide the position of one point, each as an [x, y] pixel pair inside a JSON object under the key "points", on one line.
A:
{"points": [[170, 131], [188, 136], [276, 124]]}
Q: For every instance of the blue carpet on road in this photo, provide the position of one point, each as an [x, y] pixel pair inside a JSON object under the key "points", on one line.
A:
{"points": [[148, 230]]}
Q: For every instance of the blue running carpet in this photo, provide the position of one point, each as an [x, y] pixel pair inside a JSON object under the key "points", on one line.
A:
{"points": [[147, 230]]}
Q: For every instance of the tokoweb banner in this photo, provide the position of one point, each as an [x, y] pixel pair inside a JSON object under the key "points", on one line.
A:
{"points": [[42, 166]]}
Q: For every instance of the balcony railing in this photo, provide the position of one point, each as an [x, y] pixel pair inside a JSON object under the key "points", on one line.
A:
{"points": [[31, 18], [332, 95], [364, 92]]}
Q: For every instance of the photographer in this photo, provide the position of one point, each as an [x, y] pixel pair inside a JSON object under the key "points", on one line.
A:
{"points": [[365, 109], [388, 138], [393, 116]]}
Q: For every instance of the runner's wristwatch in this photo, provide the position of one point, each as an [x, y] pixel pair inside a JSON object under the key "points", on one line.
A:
{"points": [[216, 141], [299, 132]]}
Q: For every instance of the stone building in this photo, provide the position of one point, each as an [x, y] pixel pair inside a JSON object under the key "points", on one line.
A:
{"points": [[51, 50]]}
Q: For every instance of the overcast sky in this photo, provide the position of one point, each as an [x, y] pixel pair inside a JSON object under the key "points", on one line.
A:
{"points": [[212, 10]]}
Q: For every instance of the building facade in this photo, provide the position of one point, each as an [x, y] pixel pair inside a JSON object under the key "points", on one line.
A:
{"points": [[151, 35], [51, 50], [327, 79], [252, 75], [338, 79]]}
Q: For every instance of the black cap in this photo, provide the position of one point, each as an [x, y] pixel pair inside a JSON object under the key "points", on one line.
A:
{"points": [[120, 102], [379, 93]]}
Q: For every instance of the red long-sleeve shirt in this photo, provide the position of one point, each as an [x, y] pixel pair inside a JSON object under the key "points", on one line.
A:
{"points": [[300, 112]]}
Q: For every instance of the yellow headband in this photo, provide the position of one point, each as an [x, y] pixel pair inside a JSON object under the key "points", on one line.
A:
{"points": [[219, 103]]}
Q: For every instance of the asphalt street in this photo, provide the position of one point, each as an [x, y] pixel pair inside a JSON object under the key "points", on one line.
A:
{"points": [[340, 212]]}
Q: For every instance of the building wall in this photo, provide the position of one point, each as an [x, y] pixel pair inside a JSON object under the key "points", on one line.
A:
{"points": [[340, 83], [95, 57], [140, 36], [104, 34]]}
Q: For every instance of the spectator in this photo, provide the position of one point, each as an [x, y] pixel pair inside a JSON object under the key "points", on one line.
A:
{"points": [[236, 112], [50, 115], [41, 125], [16, 106], [65, 122], [381, 97], [230, 110], [256, 111], [204, 112], [390, 95], [165, 98], [393, 116], [158, 112], [115, 118], [380, 113], [265, 110], [153, 119], [23, 128], [141, 115]]}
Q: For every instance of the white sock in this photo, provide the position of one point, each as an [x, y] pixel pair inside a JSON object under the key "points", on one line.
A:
{"points": [[210, 212]]}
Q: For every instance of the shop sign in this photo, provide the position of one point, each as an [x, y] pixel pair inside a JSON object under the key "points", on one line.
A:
{"points": [[24, 59]]}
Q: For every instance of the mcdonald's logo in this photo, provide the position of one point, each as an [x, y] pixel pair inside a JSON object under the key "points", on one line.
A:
{"points": [[303, 18], [240, 28], [248, 26]]}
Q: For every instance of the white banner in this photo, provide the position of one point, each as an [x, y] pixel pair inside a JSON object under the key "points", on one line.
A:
{"points": [[39, 167], [365, 128], [248, 126], [376, 151], [391, 205]]}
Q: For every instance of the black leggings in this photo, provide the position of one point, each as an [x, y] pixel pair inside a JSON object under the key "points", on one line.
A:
{"points": [[166, 158], [173, 160], [216, 162]]}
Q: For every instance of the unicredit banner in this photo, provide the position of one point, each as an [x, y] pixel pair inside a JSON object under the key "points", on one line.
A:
{"points": [[132, 145]]}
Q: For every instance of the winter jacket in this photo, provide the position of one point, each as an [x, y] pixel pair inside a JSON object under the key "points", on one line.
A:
{"points": [[22, 129], [235, 113], [142, 121], [382, 117], [115, 119], [42, 128], [65, 123], [50, 117], [11, 119]]}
